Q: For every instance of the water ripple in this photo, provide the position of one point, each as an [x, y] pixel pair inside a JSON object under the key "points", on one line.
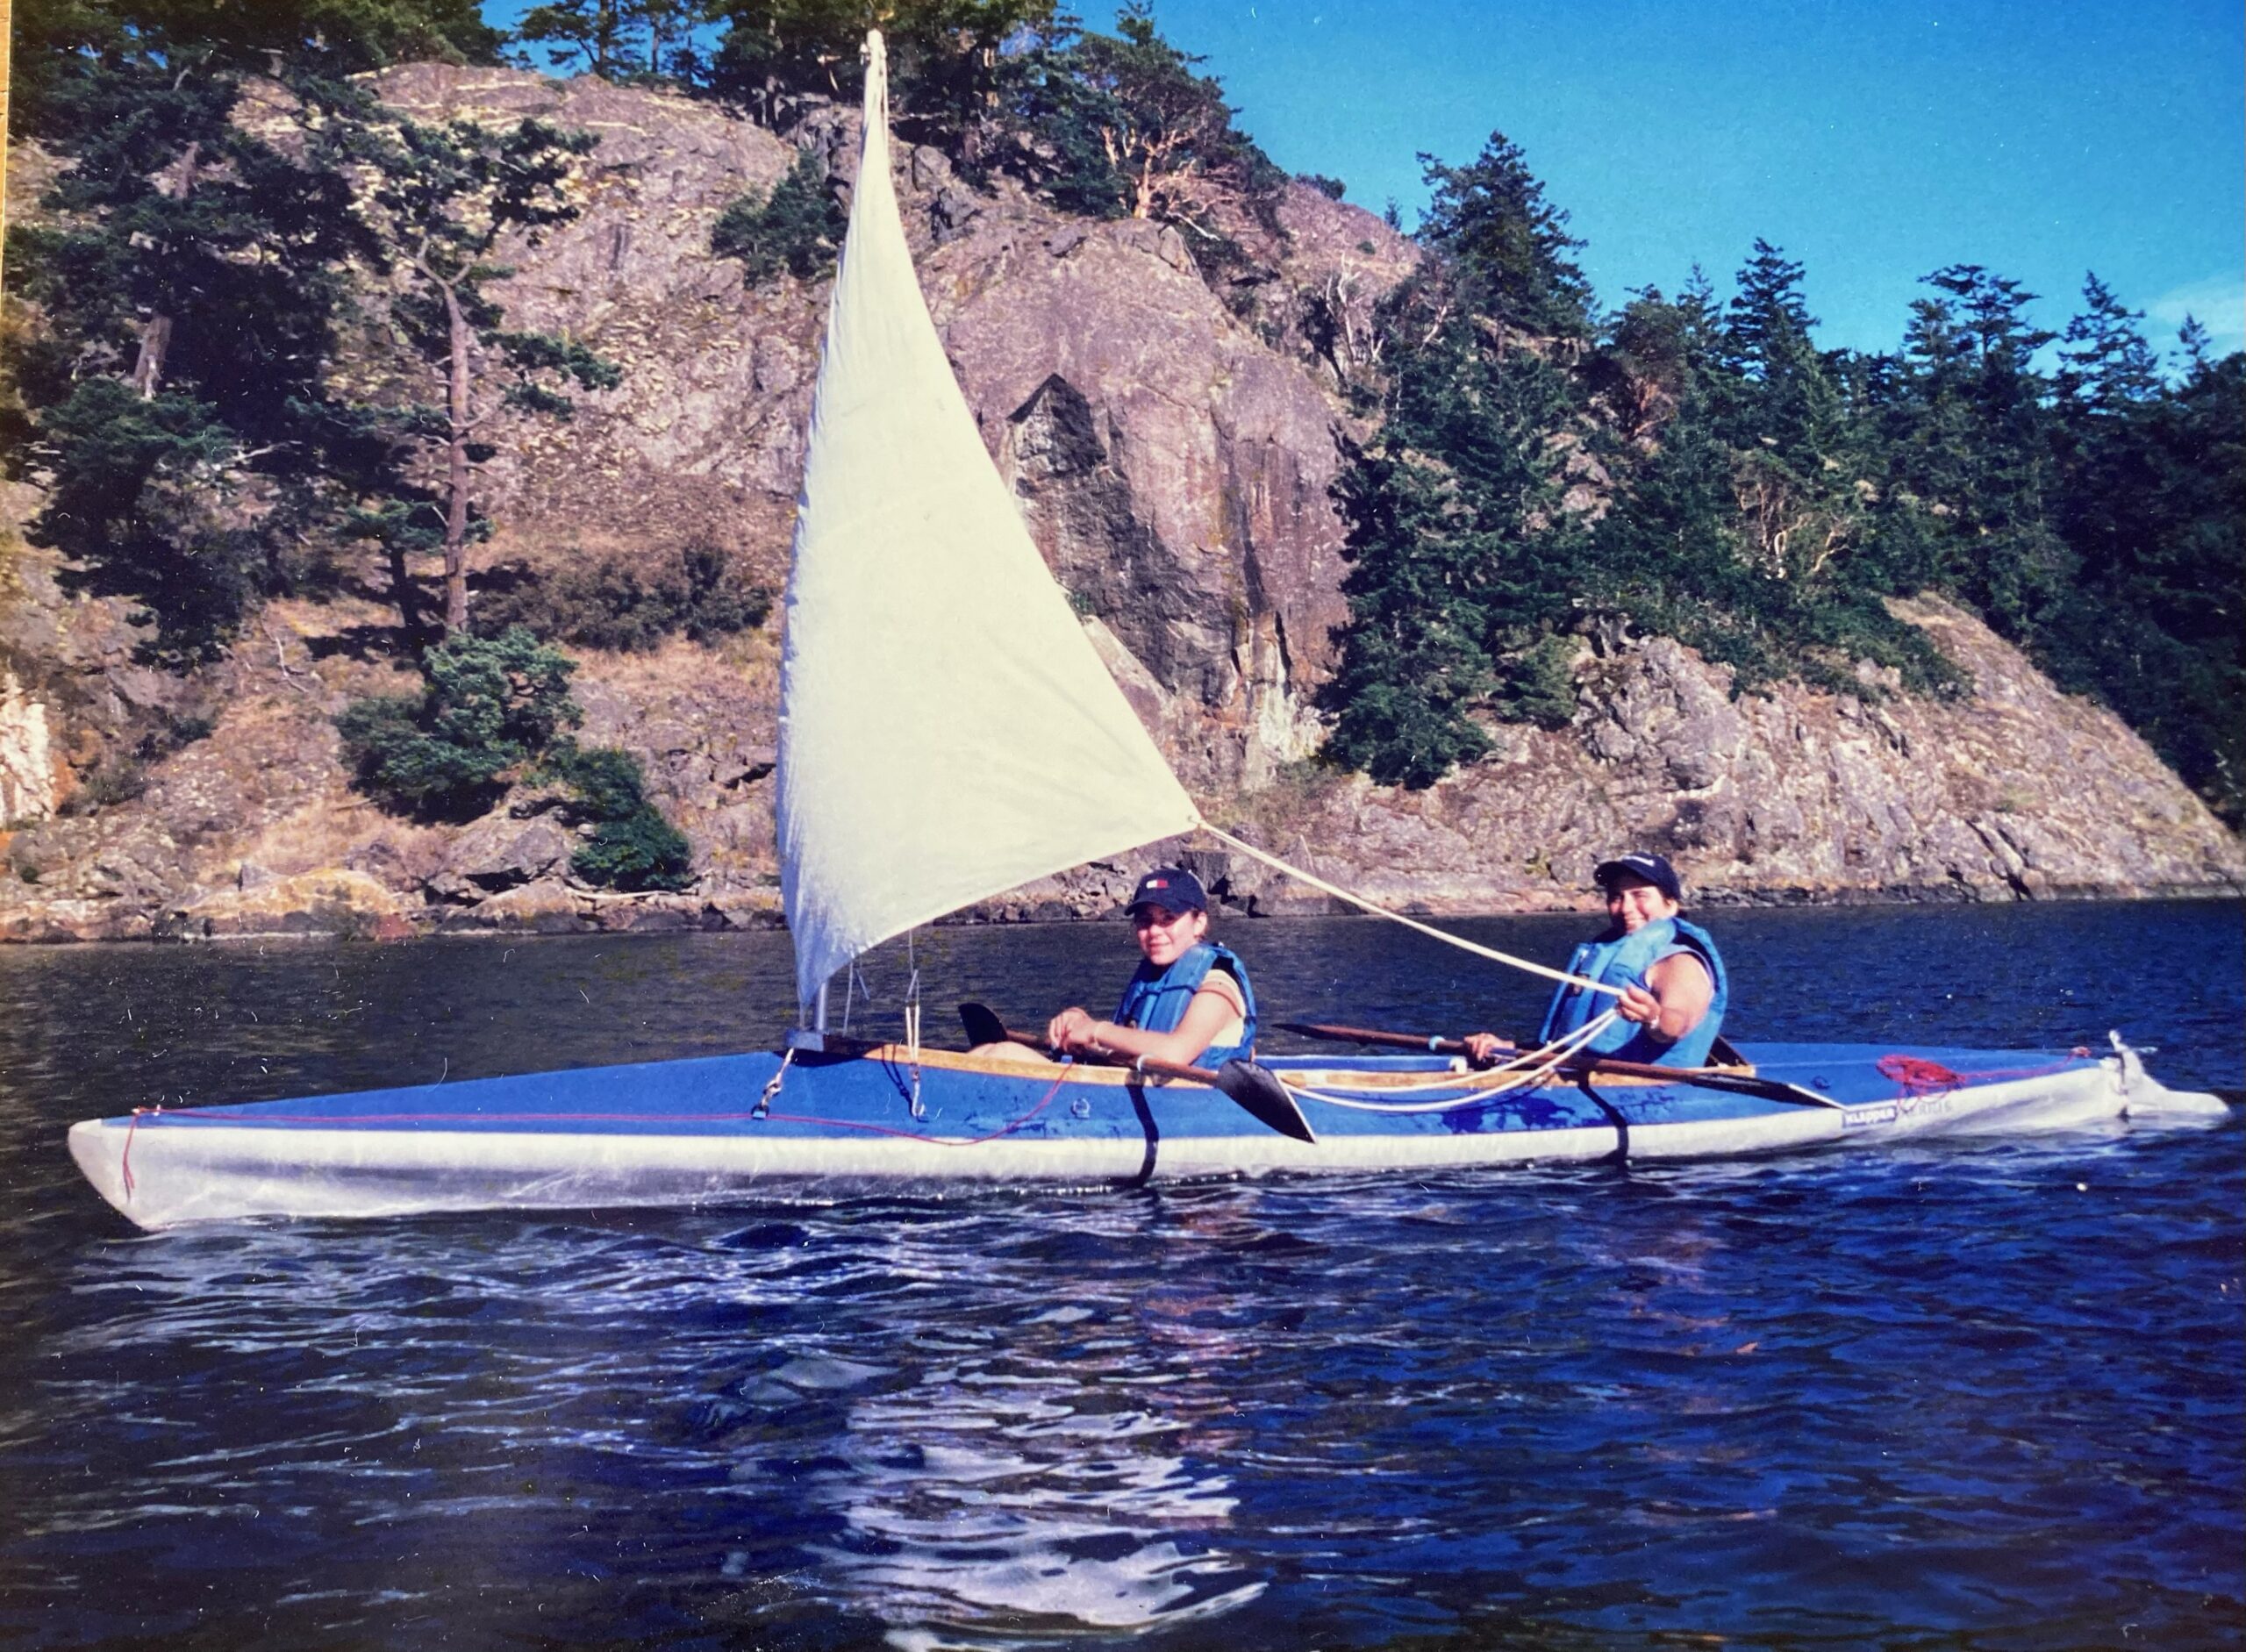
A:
{"points": [[1974, 1398]]}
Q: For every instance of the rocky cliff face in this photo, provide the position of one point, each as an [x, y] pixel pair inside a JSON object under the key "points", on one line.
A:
{"points": [[1173, 448], [2012, 792]]}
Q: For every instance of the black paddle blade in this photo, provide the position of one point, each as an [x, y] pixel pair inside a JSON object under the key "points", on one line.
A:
{"points": [[983, 1025], [1265, 1099]]}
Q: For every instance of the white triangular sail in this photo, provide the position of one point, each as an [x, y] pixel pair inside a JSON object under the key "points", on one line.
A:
{"points": [[946, 731]]}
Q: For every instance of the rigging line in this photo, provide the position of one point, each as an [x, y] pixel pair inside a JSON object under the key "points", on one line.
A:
{"points": [[912, 1025], [1559, 1050], [1379, 911], [1526, 1067]]}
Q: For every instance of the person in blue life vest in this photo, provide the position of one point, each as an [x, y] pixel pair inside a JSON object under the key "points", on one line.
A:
{"points": [[1674, 988], [1188, 1000]]}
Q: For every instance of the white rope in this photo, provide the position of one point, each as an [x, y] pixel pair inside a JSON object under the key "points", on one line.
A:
{"points": [[1558, 1051], [1525, 1065], [779, 1077], [1378, 911]]}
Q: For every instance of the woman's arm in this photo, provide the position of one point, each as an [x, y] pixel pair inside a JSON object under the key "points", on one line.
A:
{"points": [[1216, 1004], [1677, 994]]}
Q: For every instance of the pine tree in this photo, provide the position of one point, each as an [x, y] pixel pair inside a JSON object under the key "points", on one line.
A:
{"points": [[617, 40], [944, 55], [1777, 404], [189, 284], [442, 198], [1463, 555], [490, 707], [1126, 126], [1653, 348], [2151, 503], [2108, 366], [1970, 438], [599, 37], [797, 227], [1508, 246], [1767, 324]]}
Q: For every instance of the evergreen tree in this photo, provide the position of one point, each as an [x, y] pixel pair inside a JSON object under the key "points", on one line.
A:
{"points": [[1506, 246], [1653, 349], [1970, 436], [944, 55], [1460, 590], [188, 285], [797, 227], [1780, 405], [1767, 324], [490, 715], [617, 40], [2108, 366], [490, 707], [2195, 344], [64, 48], [1125, 125], [1685, 551], [597, 37], [442, 200], [631, 846], [2152, 501]]}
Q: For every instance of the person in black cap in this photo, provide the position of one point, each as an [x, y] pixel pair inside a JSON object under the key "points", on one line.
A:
{"points": [[1672, 977], [1188, 1000]]}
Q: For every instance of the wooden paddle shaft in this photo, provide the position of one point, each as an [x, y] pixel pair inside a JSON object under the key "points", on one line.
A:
{"points": [[1371, 1035]]}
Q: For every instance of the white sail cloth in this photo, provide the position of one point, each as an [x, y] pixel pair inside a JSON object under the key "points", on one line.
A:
{"points": [[946, 731]]}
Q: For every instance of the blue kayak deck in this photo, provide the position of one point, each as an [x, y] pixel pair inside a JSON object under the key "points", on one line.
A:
{"points": [[726, 1095]]}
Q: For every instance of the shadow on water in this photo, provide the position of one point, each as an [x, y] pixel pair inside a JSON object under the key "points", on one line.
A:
{"points": [[1982, 1398]]}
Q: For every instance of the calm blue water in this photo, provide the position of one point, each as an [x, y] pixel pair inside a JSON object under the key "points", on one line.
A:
{"points": [[1986, 1397]]}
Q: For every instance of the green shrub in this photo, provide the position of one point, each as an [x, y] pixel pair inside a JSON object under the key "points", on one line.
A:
{"points": [[796, 228], [622, 603], [631, 846], [491, 705], [642, 852]]}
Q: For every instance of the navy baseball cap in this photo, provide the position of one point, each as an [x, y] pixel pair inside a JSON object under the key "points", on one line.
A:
{"points": [[1170, 886], [1652, 868]]}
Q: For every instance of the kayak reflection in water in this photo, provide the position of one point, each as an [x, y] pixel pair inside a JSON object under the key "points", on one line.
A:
{"points": [[1672, 980], [1188, 1002]]}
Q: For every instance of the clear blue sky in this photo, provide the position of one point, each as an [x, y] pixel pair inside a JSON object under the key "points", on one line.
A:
{"points": [[1873, 140]]}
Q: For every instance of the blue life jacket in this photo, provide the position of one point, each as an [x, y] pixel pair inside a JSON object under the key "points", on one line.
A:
{"points": [[1622, 960], [1155, 1000]]}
